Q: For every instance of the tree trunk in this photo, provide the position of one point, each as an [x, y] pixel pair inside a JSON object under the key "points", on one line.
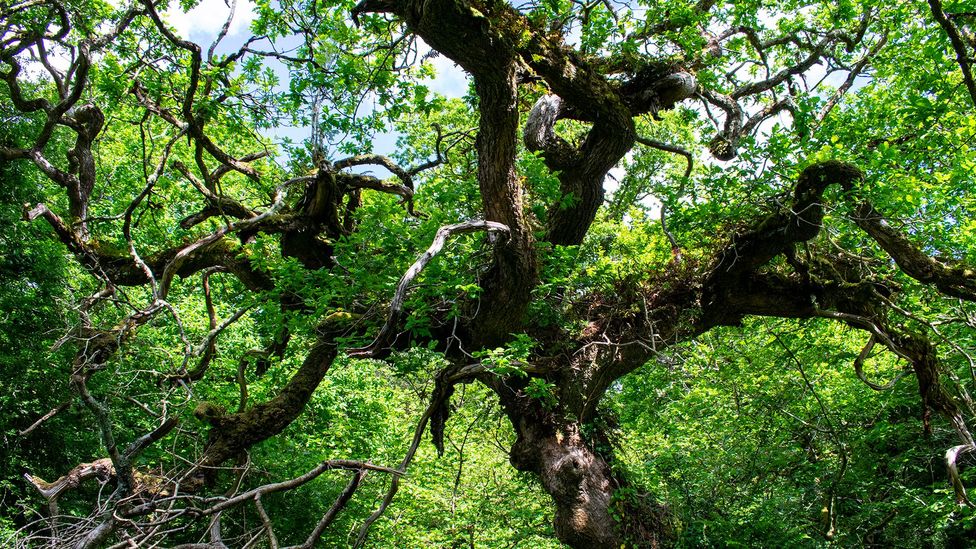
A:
{"points": [[508, 283], [591, 509]]}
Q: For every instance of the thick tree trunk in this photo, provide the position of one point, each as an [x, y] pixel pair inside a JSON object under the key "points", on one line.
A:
{"points": [[579, 482], [590, 511], [509, 282], [464, 35]]}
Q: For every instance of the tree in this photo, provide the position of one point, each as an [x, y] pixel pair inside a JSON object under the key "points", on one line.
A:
{"points": [[831, 183]]}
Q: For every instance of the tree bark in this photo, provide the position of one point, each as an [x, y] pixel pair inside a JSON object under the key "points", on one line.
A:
{"points": [[232, 434], [591, 510], [513, 273]]}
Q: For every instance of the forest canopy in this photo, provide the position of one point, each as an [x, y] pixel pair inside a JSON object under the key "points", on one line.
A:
{"points": [[656, 274]]}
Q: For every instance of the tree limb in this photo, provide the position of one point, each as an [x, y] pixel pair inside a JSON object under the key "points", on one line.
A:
{"points": [[386, 333]]}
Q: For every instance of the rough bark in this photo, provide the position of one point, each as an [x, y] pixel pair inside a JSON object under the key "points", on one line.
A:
{"points": [[512, 275], [464, 34], [231, 434], [590, 509]]}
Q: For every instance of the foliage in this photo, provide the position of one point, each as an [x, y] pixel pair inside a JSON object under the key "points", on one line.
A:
{"points": [[677, 250]]}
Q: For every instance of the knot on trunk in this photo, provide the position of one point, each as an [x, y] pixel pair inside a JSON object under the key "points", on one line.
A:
{"points": [[567, 474]]}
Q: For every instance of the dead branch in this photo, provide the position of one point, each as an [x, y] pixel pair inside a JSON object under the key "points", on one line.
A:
{"points": [[385, 335], [54, 411], [101, 469], [329, 465], [333, 511]]}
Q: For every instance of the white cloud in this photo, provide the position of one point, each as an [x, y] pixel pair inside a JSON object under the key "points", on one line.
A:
{"points": [[203, 22], [451, 80]]}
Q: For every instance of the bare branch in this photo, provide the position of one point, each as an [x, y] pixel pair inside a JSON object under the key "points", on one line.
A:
{"points": [[666, 147], [378, 160], [101, 468], [859, 368], [333, 511], [54, 411], [436, 402], [951, 457], [289, 484], [785, 104], [852, 75], [958, 46], [266, 522], [355, 181], [223, 31], [950, 277], [141, 443], [385, 334]]}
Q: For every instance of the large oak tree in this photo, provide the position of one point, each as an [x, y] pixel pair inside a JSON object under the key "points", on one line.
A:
{"points": [[785, 146]]}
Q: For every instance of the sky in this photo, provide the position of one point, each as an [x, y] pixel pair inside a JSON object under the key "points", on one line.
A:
{"points": [[202, 24]]}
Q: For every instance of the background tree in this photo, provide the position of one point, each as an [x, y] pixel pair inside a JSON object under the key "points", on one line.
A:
{"points": [[239, 317]]}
